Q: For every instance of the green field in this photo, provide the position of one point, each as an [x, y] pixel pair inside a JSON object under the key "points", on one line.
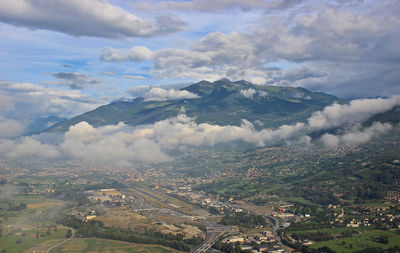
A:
{"points": [[101, 245], [20, 228], [300, 200], [40, 210], [331, 231], [29, 240], [359, 242]]}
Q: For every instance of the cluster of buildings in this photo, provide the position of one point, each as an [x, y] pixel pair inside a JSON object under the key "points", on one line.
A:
{"points": [[110, 196], [388, 216], [264, 241]]}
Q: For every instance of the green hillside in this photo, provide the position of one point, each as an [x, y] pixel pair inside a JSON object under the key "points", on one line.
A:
{"points": [[221, 102]]}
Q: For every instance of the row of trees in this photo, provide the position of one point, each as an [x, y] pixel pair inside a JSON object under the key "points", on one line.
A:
{"points": [[97, 229], [243, 219]]}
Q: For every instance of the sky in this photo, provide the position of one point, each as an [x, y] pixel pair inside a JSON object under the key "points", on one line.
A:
{"points": [[63, 58], [99, 50]]}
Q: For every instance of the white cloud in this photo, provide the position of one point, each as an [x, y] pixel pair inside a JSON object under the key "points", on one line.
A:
{"points": [[160, 94], [249, 93], [330, 140], [138, 53], [215, 56], [27, 101], [94, 18], [28, 148], [108, 145], [356, 111], [356, 135], [134, 77], [10, 128], [361, 62], [122, 145]]}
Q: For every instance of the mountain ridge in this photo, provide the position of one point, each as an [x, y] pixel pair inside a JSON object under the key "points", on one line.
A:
{"points": [[221, 102]]}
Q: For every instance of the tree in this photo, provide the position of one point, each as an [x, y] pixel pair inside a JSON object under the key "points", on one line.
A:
{"points": [[325, 249], [69, 233], [213, 210]]}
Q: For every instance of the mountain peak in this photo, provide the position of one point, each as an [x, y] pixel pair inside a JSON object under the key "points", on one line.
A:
{"points": [[222, 102]]}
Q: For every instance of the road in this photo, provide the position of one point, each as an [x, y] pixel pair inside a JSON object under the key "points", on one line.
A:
{"points": [[61, 243], [209, 242], [45, 249], [273, 219], [275, 229], [214, 231]]}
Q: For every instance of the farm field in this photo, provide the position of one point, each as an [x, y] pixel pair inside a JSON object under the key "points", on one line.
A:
{"points": [[109, 246], [124, 218], [364, 240], [29, 221], [27, 239]]}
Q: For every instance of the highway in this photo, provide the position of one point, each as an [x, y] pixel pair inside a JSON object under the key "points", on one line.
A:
{"points": [[208, 243], [214, 231], [273, 219]]}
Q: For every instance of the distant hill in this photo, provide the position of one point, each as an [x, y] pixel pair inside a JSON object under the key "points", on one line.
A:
{"points": [[42, 123], [221, 102]]}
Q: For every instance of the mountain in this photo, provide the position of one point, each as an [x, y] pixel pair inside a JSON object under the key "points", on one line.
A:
{"points": [[221, 102], [42, 123]]}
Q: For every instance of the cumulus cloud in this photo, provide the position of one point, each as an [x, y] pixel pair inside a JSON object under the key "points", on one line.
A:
{"points": [[27, 101], [356, 111], [295, 76], [28, 148], [138, 53], [356, 135], [94, 18], [215, 56], [362, 61], [109, 145], [160, 94], [123, 146]]}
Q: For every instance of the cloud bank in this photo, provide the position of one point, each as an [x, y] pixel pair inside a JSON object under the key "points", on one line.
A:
{"points": [[123, 145], [356, 136]]}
